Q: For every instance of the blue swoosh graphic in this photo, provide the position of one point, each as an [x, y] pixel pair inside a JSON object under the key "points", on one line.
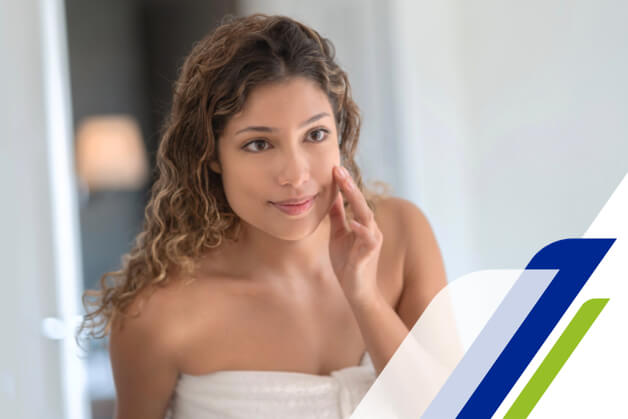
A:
{"points": [[575, 260]]}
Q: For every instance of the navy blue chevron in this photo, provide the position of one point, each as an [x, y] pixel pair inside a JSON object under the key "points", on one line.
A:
{"points": [[575, 260]]}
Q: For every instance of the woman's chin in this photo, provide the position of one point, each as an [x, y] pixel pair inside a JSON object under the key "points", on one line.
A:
{"points": [[300, 230]]}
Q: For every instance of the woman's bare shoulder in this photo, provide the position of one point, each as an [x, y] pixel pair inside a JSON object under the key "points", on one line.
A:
{"points": [[169, 310], [392, 215], [397, 214], [165, 321], [142, 351], [150, 315]]}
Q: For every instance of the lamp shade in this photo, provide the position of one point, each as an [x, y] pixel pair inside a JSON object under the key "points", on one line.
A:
{"points": [[110, 153]]}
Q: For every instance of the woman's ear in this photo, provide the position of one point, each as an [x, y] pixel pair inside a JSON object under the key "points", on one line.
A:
{"points": [[215, 166]]}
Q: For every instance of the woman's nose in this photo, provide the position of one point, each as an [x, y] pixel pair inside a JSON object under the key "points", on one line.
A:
{"points": [[295, 169]]}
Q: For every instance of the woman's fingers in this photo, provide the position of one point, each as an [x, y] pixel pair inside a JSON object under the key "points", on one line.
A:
{"points": [[367, 236], [337, 216], [363, 213]]}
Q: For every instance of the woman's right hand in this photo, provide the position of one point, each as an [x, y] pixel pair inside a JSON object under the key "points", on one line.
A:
{"points": [[354, 249]]}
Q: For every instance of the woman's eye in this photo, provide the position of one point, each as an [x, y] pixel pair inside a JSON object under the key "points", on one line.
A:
{"points": [[319, 134], [254, 149]]}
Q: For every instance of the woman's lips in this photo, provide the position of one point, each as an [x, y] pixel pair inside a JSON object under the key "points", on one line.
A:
{"points": [[296, 209]]}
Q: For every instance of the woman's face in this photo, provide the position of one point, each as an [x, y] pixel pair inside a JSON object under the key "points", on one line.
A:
{"points": [[281, 146]]}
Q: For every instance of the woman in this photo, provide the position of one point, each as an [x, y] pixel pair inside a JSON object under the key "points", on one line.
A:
{"points": [[263, 272]]}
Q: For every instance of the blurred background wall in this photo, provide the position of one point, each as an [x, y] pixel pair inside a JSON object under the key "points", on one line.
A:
{"points": [[517, 115], [503, 121]]}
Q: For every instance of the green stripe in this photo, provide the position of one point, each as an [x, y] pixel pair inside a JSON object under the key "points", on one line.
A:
{"points": [[556, 358]]}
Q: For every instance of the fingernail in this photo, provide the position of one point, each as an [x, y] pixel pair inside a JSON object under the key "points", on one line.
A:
{"points": [[341, 172], [345, 172]]}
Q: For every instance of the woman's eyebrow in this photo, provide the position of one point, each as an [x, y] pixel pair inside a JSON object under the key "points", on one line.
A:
{"points": [[259, 128]]}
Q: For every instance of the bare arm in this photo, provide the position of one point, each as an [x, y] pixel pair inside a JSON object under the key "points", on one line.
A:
{"points": [[143, 368], [382, 327], [423, 270]]}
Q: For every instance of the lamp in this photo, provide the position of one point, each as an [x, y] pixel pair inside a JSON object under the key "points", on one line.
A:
{"points": [[110, 153]]}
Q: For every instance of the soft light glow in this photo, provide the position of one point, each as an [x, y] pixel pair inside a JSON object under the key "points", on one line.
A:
{"points": [[110, 153]]}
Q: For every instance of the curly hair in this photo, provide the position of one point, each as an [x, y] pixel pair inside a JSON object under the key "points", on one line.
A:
{"points": [[188, 213]]}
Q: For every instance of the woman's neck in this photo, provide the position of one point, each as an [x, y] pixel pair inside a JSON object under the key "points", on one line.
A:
{"points": [[257, 255]]}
